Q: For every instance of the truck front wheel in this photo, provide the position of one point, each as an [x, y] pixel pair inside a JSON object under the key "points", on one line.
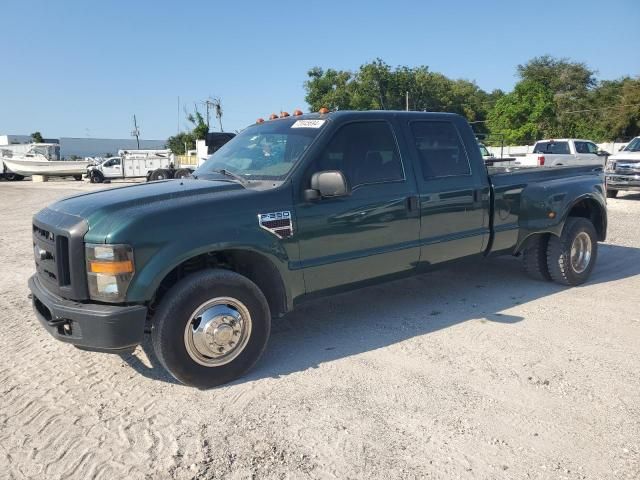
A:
{"points": [[572, 255], [612, 193], [211, 327]]}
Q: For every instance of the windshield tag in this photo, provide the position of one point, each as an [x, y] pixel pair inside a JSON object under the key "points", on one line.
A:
{"points": [[308, 124]]}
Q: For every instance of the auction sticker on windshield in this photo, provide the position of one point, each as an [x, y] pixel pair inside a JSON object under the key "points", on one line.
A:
{"points": [[307, 124]]}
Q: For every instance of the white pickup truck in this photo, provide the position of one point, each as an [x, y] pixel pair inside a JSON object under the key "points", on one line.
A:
{"points": [[564, 151]]}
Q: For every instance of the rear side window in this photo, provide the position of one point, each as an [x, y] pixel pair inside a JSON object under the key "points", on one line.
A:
{"points": [[556, 148], [440, 150], [366, 152]]}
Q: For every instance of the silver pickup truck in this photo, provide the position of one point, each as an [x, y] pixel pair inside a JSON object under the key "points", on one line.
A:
{"points": [[623, 169]]}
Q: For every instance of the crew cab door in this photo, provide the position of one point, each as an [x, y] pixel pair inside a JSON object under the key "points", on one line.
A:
{"points": [[373, 230], [454, 192], [587, 153]]}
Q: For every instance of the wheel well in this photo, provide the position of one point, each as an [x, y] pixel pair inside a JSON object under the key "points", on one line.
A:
{"points": [[591, 210], [256, 267]]}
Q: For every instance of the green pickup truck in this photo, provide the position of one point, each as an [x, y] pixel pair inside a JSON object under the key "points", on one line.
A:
{"points": [[290, 209]]}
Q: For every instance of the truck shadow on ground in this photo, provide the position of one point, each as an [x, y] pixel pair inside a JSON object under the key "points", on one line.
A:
{"points": [[375, 317]]}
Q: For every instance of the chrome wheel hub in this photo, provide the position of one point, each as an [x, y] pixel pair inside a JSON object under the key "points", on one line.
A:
{"points": [[581, 252], [218, 331]]}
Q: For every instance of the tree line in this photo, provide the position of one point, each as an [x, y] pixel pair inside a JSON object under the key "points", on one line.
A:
{"points": [[552, 98]]}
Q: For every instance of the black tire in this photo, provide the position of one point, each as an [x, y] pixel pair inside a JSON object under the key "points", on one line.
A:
{"points": [[182, 173], [612, 193], [77, 178], [534, 258], [559, 262], [96, 176], [159, 174], [13, 177], [182, 301]]}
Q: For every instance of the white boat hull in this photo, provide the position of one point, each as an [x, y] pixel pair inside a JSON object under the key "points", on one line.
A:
{"points": [[59, 168]]}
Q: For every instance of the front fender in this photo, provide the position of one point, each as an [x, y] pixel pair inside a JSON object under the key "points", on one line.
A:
{"points": [[161, 262]]}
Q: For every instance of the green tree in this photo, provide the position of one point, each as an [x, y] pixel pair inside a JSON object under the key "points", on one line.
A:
{"points": [[376, 85], [200, 127], [183, 141], [177, 143], [36, 137], [524, 115]]}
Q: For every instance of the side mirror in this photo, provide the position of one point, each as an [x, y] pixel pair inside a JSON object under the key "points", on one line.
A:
{"points": [[602, 153], [330, 183]]}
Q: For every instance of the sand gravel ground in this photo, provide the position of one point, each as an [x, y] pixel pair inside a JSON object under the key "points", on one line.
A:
{"points": [[471, 372]]}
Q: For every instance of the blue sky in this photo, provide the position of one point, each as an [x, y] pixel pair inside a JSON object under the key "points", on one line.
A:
{"points": [[83, 68]]}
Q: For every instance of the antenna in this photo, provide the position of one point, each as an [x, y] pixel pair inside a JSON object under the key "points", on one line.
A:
{"points": [[136, 131]]}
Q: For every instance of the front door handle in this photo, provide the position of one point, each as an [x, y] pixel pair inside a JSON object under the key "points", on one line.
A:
{"points": [[412, 203]]}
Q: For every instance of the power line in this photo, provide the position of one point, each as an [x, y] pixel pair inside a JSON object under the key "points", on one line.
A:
{"points": [[603, 108]]}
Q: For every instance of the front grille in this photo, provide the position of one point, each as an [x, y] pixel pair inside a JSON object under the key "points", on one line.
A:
{"points": [[58, 246]]}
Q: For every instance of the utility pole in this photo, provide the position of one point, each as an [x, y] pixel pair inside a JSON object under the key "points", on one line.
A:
{"points": [[217, 104], [136, 131], [407, 101]]}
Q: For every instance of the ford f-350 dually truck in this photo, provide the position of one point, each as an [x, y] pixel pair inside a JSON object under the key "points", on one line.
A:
{"points": [[290, 209]]}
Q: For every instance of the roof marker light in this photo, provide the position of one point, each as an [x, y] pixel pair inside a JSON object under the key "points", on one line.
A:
{"points": [[323, 111], [284, 114], [260, 120], [297, 112], [273, 116]]}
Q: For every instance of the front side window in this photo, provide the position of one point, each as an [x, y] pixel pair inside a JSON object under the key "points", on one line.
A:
{"points": [[592, 147], [266, 151], [556, 148], [581, 147], [365, 152], [440, 150]]}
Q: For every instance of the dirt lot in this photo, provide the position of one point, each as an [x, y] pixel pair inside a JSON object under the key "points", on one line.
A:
{"points": [[471, 372]]}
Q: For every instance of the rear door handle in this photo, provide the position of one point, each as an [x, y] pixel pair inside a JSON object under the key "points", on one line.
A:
{"points": [[412, 203]]}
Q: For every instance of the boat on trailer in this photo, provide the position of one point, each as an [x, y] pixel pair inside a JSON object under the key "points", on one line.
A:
{"points": [[41, 159]]}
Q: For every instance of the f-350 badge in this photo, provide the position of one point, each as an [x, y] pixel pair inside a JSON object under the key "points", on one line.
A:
{"points": [[278, 223]]}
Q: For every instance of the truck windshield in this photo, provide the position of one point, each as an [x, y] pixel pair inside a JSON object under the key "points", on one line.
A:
{"points": [[266, 151], [633, 146]]}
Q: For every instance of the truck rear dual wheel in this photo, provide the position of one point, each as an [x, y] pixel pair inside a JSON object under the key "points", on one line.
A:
{"points": [[534, 258], [211, 327], [572, 255], [182, 173], [159, 174]]}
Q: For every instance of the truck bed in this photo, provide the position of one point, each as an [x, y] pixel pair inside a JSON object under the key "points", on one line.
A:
{"points": [[537, 191]]}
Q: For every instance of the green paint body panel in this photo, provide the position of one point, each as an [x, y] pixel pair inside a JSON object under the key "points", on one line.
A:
{"points": [[374, 233]]}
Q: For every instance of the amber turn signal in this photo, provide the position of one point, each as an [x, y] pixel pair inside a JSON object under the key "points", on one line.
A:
{"points": [[111, 268]]}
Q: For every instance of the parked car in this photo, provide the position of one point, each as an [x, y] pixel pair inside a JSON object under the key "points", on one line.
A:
{"points": [[623, 169], [292, 209], [564, 151]]}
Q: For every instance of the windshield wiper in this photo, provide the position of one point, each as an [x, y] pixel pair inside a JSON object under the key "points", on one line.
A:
{"points": [[230, 174]]}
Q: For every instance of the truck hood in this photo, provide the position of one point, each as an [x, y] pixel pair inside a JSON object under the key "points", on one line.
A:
{"points": [[120, 206], [632, 157]]}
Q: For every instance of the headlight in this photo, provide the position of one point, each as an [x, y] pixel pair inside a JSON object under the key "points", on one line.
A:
{"points": [[110, 269]]}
